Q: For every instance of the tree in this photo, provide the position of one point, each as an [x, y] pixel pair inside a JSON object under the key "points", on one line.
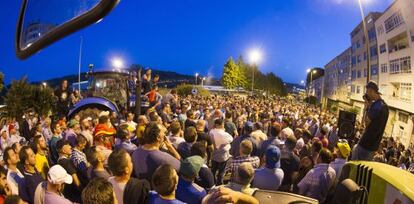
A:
{"points": [[1, 81], [22, 96], [232, 77]]}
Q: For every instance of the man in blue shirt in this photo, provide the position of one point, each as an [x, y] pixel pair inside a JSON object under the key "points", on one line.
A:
{"points": [[188, 191], [271, 175], [248, 129], [164, 182]]}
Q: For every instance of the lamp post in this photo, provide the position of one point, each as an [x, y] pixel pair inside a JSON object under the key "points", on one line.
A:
{"points": [[310, 81], [196, 76], [364, 25], [118, 63], [255, 57], [202, 81]]}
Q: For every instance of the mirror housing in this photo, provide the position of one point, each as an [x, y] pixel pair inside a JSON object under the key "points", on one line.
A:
{"points": [[91, 16]]}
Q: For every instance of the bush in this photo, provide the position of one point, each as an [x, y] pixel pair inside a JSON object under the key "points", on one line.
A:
{"points": [[186, 89]]}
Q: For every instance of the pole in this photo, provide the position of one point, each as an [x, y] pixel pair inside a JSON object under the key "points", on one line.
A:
{"points": [[364, 25], [253, 78], [138, 95], [80, 64], [196, 79]]}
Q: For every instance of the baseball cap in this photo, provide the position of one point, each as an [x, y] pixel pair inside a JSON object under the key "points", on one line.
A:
{"points": [[72, 123], [272, 157], [104, 113], [58, 175], [372, 85], [248, 125], [344, 148], [191, 166]]}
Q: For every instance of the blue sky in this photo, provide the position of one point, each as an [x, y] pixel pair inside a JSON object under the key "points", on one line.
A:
{"points": [[189, 36]]}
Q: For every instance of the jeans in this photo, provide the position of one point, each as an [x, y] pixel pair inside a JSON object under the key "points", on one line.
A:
{"points": [[218, 167], [361, 154]]}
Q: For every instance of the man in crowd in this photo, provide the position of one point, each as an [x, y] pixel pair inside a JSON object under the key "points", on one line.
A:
{"points": [[375, 120], [176, 134], [164, 182], [205, 177], [57, 135], [148, 156], [79, 160], [99, 190], [318, 181], [248, 129], [31, 177], [244, 176], [72, 190], [246, 148], [142, 123], [86, 130], [42, 163], [289, 163], [72, 132], [62, 93], [14, 176], [96, 158], [133, 190], [190, 136], [124, 135], [257, 133], [342, 152], [229, 125], [271, 175], [51, 190], [221, 153], [275, 129], [187, 190]]}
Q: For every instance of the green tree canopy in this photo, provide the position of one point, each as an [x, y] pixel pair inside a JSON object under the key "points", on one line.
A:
{"points": [[233, 76]]}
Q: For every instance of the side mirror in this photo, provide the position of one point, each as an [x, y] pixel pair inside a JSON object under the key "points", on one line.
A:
{"points": [[42, 22]]}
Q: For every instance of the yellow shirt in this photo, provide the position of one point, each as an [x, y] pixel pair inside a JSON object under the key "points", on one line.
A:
{"points": [[42, 165]]}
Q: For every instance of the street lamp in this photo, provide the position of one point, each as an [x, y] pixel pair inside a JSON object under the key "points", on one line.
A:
{"points": [[44, 84], [196, 76], [310, 81], [202, 81], [255, 57], [364, 25], [117, 63]]}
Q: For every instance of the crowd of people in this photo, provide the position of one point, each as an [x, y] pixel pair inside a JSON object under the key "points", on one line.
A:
{"points": [[192, 149]]}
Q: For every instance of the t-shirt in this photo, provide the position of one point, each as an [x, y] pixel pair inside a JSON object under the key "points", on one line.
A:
{"points": [[189, 192], [55, 198], [42, 165], [175, 140], [289, 163], [268, 179], [202, 136], [70, 191], [147, 161], [184, 149], [205, 178], [156, 199], [31, 180], [235, 146], [221, 142], [378, 114], [230, 127], [118, 189]]}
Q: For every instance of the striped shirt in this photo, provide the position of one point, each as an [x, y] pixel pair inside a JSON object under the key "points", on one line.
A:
{"points": [[317, 182], [235, 162]]}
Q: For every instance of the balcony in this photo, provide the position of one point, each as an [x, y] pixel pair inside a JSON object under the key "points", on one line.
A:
{"points": [[397, 43]]}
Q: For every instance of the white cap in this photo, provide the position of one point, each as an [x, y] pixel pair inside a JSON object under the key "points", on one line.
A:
{"points": [[58, 175]]}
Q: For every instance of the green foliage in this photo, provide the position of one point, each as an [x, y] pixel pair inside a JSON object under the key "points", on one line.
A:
{"points": [[269, 82], [186, 89], [233, 76], [354, 110], [22, 96], [1, 81]]}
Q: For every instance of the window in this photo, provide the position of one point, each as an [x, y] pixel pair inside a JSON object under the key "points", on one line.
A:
{"points": [[393, 21], [371, 34], [402, 117], [353, 59], [373, 51], [358, 44], [402, 65], [384, 68], [405, 92], [359, 58], [359, 74], [405, 64], [395, 66], [380, 30], [374, 69], [352, 88], [383, 48], [358, 90], [383, 89], [353, 74]]}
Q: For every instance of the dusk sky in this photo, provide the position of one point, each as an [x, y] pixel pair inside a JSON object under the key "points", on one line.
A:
{"points": [[189, 36]]}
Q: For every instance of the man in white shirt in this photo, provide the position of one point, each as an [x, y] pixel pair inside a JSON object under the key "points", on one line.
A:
{"points": [[14, 176], [221, 153]]}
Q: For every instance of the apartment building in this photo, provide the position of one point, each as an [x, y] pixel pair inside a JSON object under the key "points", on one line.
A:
{"points": [[395, 38], [337, 81], [359, 57]]}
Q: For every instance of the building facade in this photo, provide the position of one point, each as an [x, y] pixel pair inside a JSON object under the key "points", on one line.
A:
{"points": [[337, 81], [359, 57], [395, 37]]}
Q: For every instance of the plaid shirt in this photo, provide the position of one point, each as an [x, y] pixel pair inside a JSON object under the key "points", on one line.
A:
{"points": [[317, 182], [235, 162], [78, 159]]}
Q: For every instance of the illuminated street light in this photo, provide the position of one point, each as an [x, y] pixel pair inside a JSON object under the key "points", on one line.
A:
{"points": [[255, 57], [117, 63], [302, 82], [44, 84], [196, 76], [202, 81], [364, 26]]}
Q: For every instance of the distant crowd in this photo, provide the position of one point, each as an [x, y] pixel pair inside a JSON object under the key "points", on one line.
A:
{"points": [[192, 149]]}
